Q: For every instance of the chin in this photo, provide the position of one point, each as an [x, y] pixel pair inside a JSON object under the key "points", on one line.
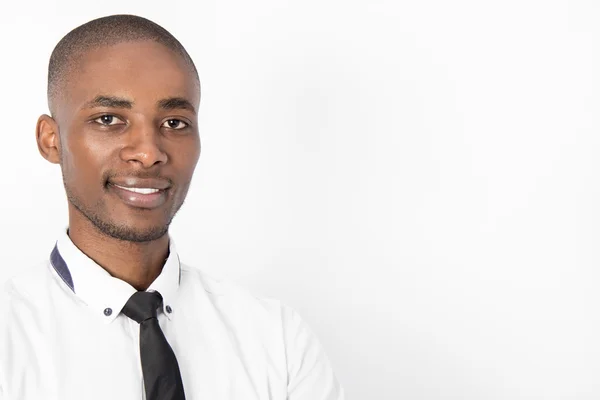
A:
{"points": [[139, 236], [126, 225], [133, 233]]}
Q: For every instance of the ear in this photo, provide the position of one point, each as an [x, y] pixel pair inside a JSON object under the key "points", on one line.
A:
{"points": [[48, 141]]}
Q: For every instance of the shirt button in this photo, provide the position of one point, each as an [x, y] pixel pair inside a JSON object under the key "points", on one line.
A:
{"points": [[169, 309], [108, 312]]}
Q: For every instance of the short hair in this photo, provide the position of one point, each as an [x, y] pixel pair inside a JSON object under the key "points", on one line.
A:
{"points": [[106, 31]]}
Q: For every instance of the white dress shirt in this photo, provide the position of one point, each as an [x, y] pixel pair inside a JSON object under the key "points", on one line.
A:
{"points": [[63, 336]]}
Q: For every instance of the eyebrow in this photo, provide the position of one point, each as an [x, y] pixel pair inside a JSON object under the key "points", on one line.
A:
{"points": [[174, 103], [170, 103], [109, 101]]}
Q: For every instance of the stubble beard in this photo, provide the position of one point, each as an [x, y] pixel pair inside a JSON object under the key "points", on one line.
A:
{"points": [[109, 228], [114, 230]]}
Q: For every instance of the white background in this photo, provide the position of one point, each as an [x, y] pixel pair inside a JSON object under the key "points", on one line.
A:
{"points": [[417, 178]]}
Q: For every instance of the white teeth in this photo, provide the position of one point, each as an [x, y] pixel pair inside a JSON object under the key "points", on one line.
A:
{"points": [[139, 190]]}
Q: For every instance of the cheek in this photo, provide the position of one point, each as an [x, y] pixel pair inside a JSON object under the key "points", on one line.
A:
{"points": [[194, 154], [185, 159], [81, 162], [184, 162]]}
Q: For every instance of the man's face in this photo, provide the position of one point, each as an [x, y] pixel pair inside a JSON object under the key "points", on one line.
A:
{"points": [[129, 138]]}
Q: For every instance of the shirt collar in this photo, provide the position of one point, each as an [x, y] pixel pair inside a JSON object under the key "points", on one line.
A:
{"points": [[105, 294]]}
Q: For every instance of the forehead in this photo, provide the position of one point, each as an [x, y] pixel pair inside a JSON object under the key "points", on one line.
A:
{"points": [[143, 71]]}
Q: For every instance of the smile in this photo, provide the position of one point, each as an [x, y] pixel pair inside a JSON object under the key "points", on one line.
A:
{"points": [[139, 190], [140, 197]]}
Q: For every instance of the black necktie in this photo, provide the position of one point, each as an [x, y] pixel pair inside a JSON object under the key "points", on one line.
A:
{"points": [[162, 378]]}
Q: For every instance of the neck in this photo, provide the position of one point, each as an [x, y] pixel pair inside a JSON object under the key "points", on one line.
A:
{"points": [[137, 263]]}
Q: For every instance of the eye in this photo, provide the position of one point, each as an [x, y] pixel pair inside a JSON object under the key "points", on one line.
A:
{"points": [[174, 124], [108, 120]]}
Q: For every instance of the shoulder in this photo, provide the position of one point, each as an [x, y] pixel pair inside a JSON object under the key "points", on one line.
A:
{"points": [[23, 296], [239, 304], [255, 322], [229, 294], [33, 280], [31, 293], [281, 329]]}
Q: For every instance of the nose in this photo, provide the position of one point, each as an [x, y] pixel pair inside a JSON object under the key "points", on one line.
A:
{"points": [[144, 146]]}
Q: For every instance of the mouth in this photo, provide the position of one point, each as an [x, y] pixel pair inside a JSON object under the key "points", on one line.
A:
{"points": [[139, 190], [140, 197]]}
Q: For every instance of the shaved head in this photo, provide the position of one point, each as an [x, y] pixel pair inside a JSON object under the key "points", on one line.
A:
{"points": [[124, 96], [105, 31]]}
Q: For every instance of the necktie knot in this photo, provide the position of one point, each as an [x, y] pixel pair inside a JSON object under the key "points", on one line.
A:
{"points": [[142, 306]]}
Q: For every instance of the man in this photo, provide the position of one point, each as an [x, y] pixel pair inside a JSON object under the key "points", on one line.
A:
{"points": [[113, 314]]}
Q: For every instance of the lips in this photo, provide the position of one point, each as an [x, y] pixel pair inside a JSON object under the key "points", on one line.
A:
{"points": [[140, 183], [139, 190], [146, 194]]}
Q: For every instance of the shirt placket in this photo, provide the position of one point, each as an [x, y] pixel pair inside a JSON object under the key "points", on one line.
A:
{"points": [[134, 329]]}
